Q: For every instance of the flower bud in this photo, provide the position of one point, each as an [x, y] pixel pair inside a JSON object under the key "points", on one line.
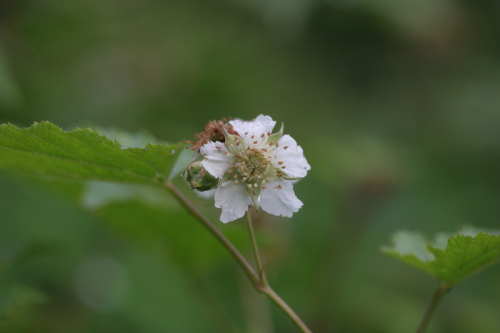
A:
{"points": [[199, 179]]}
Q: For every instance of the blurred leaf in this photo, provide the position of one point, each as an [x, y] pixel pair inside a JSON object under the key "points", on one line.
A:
{"points": [[171, 233], [462, 255], [97, 194], [127, 139], [18, 296], [10, 94], [17, 253], [45, 149]]}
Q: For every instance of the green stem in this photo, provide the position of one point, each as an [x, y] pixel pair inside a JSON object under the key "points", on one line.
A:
{"points": [[438, 295], [247, 268], [256, 253], [287, 309], [259, 281], [264, 287]]}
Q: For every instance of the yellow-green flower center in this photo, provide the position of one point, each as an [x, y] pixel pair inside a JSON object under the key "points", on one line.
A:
{"points": [[253, 165]]}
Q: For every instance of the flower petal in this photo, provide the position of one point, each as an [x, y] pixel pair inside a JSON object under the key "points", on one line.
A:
{"points": [[233, 199], [279, 198], [292, 157], [261, 124], [215, 162]]}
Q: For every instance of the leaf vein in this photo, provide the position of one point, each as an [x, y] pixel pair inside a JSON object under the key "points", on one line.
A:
{"points": [[79, 161]]}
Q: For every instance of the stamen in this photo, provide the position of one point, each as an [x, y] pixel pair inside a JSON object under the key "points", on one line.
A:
{"points": [[279, 186], [285, 147], [264, 149], [283, 167], [263, 187], [246, 133], [252, 136], [229, 171], [254, 192], [238, 143], [268, 134], [280, 162], [272, 143], [249, 185], [255, 142], [225, 153], [236, 176], [237, 182], [234, 166], [255, 185], [277, 145], [279, 175], [263, 135]]}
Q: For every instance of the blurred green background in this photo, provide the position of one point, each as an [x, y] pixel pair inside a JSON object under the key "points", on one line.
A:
{"points": [[395, 102]]}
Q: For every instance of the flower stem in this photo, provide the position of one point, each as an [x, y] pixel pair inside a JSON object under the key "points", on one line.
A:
{"points": [[255, 248], [259, 281], [247, 268], [264, 288], [438, 295]]}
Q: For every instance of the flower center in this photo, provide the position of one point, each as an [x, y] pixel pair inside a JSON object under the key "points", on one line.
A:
{"points": [[253, 164]]}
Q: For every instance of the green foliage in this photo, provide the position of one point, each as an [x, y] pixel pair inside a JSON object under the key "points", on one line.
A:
{"points": [[45, 149], [448, 259], [171, 234]]}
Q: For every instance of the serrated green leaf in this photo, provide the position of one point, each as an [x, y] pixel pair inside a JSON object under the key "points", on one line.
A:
{"points": [[464, 254], [45, 149]]}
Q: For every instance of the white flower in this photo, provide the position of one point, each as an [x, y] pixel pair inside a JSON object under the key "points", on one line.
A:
{"points": [[256, 167]]}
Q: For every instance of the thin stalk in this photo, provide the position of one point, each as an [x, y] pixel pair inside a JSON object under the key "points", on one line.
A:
{"points": [[247, 268], [438, 295], [258, 280], [256, 253], [264, 285]]}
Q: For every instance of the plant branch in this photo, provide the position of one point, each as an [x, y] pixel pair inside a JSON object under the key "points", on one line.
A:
{"points": [[438, 295], [259, 281], [247, 268], [264, 287], [286, 308]]}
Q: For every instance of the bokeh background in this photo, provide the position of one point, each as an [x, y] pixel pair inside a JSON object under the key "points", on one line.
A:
{"points": [[395, 102]]}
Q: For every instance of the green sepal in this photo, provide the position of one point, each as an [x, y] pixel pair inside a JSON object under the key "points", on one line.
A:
{"points": [[255, 197], [275, 137], [231, 141]]}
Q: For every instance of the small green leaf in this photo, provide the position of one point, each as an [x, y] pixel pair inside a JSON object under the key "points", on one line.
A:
{"points": [[45, 149], [448, 259]]}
